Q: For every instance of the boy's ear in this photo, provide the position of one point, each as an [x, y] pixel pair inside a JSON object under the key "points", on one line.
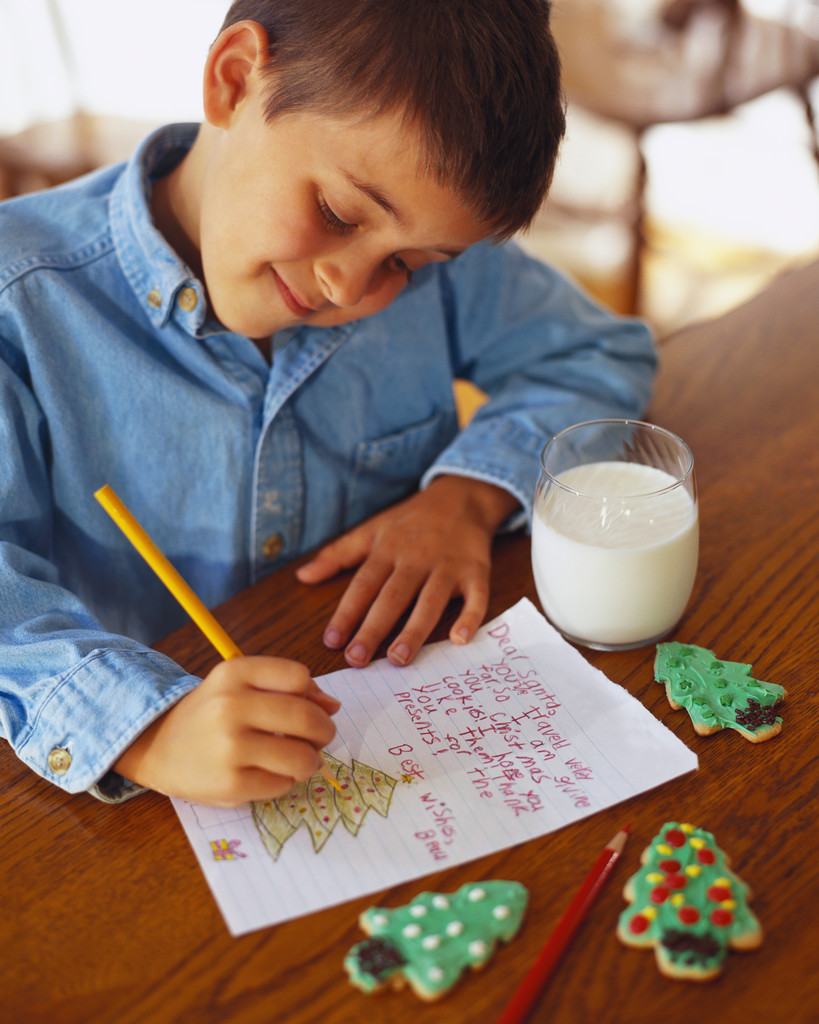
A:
{"points": [[234, 60]]}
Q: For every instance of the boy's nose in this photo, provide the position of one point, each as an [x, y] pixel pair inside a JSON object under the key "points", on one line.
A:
{"points": [[345, 283]]}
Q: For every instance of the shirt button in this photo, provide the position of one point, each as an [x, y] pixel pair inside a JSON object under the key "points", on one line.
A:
{"points": [[188, 300], [272, 546], [59, 761], [155, 298]]}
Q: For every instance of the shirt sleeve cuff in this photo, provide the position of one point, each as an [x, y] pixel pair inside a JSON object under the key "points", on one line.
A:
{"points": [[94, 712]]}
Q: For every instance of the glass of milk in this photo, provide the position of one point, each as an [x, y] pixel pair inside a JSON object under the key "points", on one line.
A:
{"points": [[615, 532]]}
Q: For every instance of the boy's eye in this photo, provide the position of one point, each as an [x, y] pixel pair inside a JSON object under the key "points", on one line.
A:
{"points": [[332, 220], [398, 265]]}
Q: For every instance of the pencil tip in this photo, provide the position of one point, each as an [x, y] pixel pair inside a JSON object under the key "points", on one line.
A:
{"points": [[627, 828]]}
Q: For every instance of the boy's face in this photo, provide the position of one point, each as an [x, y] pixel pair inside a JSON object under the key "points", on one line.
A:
{"points": [[315, 220]]}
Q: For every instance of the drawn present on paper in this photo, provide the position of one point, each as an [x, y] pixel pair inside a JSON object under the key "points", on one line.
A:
{"points": [[318, 807]]}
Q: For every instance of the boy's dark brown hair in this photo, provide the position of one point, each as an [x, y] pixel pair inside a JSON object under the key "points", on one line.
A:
{"points": [[480, 78]]}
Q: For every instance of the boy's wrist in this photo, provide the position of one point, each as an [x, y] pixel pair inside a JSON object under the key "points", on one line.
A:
{"points": [[484, 502]]}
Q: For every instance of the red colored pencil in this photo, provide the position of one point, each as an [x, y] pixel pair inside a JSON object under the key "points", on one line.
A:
{"points": [[539, 973]]}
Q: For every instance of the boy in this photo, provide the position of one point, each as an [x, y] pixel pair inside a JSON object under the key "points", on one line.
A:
{"points": [[250, 331]]}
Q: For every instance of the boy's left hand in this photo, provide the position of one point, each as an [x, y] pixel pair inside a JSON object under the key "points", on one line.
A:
{"points": [[427, 549]]}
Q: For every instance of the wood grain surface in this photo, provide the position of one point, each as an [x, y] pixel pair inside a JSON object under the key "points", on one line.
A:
{"points": [[105, 916]]}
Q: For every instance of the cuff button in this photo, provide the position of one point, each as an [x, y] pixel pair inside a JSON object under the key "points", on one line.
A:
{"points": [[59, 761]]}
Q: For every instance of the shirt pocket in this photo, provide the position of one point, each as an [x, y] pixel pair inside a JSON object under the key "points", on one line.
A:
{"points": [[388, 468]]}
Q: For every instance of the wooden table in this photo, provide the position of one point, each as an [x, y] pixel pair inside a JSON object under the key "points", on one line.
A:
{"points": [[105, 915]]}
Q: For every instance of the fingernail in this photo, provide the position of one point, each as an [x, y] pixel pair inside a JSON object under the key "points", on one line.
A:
{"points": [[357, 653], [333, 638], [400, 653], [461, 636]]}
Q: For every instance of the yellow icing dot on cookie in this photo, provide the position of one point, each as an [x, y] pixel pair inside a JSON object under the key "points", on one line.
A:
{"points": [[697, 843], [664, 849], [728, 904], [693, 870], [649, 912], [723, 881], [654, 877], [685, 827], [677, 900]]}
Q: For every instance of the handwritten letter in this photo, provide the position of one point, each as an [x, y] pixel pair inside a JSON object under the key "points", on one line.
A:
{"points": [[467, 751]]}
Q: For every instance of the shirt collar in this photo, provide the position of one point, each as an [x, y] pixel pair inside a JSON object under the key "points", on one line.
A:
{"points": [[163, 285]]}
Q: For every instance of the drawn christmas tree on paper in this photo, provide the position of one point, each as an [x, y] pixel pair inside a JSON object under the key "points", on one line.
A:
{"points": [[318, 807], [718, 694], [687, 903]]}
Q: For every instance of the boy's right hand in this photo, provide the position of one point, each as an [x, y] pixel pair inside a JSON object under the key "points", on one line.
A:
{"points": [[251, 727]]}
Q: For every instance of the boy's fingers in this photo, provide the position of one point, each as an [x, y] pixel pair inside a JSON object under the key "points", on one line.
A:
{"points": [[344, 553], [284, 757], [253, 782], [427, 613], [280, 675], [430, 598], [358, 601], [286, 715], [476, 604]]}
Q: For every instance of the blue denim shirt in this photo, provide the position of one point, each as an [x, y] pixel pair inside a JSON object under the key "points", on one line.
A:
{"points": [[112, 371]]}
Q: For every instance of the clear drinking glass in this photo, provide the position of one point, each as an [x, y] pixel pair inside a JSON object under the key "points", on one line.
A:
{"points": [[615, 534]]}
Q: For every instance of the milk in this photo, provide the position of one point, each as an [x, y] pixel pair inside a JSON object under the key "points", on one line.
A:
{"points": [[613, 570]]}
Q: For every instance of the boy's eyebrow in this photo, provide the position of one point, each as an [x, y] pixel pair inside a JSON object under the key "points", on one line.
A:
{"points": [[381, 199], [377, 196]]}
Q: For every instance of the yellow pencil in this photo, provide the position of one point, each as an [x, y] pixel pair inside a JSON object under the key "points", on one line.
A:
{"points": [[175, 583]]}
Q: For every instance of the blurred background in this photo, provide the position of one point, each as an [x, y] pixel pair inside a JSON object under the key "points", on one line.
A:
{"points": [[689, 177]]}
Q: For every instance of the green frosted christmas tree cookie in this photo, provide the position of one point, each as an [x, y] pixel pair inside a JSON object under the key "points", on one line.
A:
{"points": [[431, 941], [687, 903], [718, 694]]}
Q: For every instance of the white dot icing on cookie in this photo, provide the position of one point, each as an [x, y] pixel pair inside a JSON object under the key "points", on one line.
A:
{"points": [[478, 948], [435, 974], [431, 941], [380, 919], [454, 928], [440, 902], [418, 910], [501, 912], [477, 893], [412, 931]]}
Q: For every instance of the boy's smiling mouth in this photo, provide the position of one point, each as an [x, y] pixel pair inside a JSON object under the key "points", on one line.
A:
{"points": [[290, 300]]}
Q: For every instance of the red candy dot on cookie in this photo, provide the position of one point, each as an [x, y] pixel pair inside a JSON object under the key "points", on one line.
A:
{"points": [[688, 915], [659, 894], [706, 856], [676, 881], [721, 918], [638, 924], [718, 893], [675, 837], [669, 866]]}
